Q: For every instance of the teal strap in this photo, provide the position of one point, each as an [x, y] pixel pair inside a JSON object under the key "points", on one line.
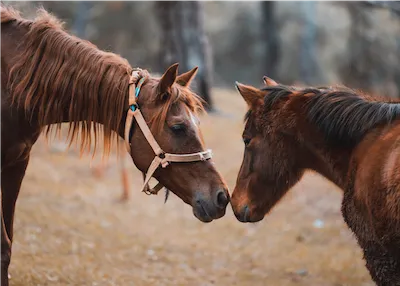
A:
{"points": [[133, 107], [139, 85]]}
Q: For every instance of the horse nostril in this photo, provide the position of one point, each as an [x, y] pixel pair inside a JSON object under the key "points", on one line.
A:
{"points": [[245, 214], [222, 199]]}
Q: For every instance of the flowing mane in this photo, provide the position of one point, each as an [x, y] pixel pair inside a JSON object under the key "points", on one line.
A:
{"points": [[341, 114], [9, 14], [55, 70]]}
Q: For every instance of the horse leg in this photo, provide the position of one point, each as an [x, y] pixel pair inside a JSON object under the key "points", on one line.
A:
{"points": [[383, 263], [5, 250], [382, 258], [124, 173], [10, 185]]}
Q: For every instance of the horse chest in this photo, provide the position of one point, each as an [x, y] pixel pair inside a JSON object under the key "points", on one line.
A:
{"points": [[17, 136], [15, 154]]}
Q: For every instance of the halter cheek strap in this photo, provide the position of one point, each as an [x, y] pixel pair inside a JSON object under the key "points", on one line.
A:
{"points": [[161, 158]]}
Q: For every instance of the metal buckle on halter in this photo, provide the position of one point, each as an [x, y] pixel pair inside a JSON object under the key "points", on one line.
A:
{"points": [[149, 192], [163, 163]]}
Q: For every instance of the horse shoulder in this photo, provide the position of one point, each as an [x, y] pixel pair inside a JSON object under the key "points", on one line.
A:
{"points": [[377, 175], [18, 135]]}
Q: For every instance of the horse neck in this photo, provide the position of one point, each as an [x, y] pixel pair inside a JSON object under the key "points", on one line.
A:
{"points": [[331, 162]]}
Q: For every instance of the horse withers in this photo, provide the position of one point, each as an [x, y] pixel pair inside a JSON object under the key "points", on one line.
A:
{"points": [[351, 139], [49, 77]]}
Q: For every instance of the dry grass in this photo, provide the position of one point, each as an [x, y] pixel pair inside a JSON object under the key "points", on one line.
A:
{"points": [[70, 229]]}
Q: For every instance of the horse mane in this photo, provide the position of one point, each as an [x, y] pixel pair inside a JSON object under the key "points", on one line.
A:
{"points": [[9, 14], [58, 76], [343, 115], [55, 70]]}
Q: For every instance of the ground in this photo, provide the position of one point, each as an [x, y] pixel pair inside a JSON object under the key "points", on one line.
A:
{"points": [[70, 228]]}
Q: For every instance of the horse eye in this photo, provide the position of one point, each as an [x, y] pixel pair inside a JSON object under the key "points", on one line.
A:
{"points": [[178, 128], [246, 141]]}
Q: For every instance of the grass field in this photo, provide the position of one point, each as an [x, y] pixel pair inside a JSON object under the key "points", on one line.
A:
{"points": [[70, 228]]}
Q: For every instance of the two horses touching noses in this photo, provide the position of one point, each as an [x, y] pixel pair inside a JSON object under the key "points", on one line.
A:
{"points": [[50, 77]]}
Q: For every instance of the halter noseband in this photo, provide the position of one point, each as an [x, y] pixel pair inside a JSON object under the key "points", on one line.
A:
{"points": [[161, 158]]}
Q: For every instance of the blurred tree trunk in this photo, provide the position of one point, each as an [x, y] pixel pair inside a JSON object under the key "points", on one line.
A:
{"points": [[270, 39], [183, 40], [359, 69], [115, 34], [64, 10], [170, 41], [81, 18], [394, 7], [308, 64], [397, 66]]}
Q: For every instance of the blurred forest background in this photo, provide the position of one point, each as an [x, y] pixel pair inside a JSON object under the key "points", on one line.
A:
{"points": [[310, 43], [70, 227]]}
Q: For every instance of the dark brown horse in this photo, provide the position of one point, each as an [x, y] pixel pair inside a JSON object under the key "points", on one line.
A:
{"points": [[49, 77], [349, 138]]}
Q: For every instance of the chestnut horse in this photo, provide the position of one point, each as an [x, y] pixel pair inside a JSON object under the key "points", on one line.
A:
{"points": [[351, 139], [49, 77]]}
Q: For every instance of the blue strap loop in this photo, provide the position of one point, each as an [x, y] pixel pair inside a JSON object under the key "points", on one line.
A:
{"points": [[139, 85], [135, 106]]}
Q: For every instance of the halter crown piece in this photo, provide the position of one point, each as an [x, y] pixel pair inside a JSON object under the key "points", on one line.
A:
{"points": [[161, 158]]}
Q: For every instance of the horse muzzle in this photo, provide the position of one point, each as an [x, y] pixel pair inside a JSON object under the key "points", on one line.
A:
{"points": [[206, 209]]}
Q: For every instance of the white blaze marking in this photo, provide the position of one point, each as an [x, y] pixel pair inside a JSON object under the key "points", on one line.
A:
{"points": [[193, 118]]}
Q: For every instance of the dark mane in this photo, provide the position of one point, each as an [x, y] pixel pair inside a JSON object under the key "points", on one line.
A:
{"points": [[345, 116], [276, 93], [341, 114], [247, 115]]}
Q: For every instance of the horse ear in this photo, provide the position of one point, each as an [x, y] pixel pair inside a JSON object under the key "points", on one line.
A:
{"points": [[251, 95], [186, 78], [269, 81], [168, 79]]}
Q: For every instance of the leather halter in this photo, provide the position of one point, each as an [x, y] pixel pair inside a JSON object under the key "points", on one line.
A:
{"points": [[161, 158]]}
